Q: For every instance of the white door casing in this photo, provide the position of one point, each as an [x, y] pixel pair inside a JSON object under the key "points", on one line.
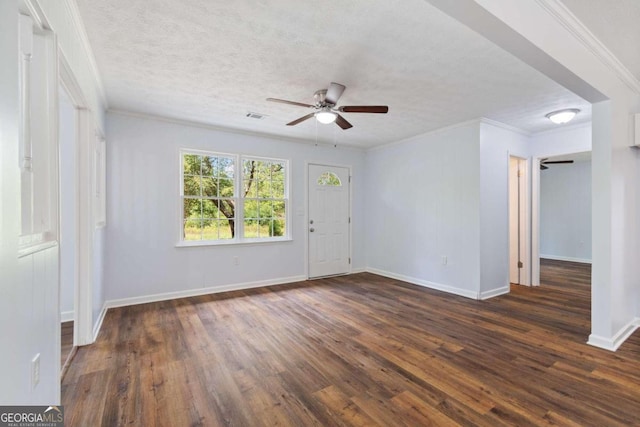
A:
{"points": [[519, 223], [328, 220]]}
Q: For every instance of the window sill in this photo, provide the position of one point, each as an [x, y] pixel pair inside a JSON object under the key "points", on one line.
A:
{"points": [[36, 247], [246, 242]]}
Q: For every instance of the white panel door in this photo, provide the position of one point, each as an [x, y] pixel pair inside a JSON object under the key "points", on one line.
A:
{"points": [[328, 226]]}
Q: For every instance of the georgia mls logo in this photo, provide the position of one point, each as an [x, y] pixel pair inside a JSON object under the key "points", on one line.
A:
{"points": [[53, 408], [31, 416]]}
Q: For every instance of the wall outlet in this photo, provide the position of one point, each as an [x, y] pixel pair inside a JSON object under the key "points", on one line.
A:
{"points": [[444, 260], [235, 260], [35, 371]]}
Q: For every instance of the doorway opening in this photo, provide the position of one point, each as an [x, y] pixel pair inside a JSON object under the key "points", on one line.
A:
{"points": [[564, 226], [519, 222]]}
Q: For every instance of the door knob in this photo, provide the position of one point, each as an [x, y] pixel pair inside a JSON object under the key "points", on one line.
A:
{"points": [[311, 230]]}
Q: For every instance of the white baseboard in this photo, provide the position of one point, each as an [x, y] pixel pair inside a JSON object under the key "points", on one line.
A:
{"points": [[431, 285], [616, 341], [201, 291], [358, 270], [494, 292], [98, 324], [67, 316], [566, 258]]}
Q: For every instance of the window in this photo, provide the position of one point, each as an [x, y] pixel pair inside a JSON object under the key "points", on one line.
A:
{"points": [[233, 199], [329, 179], [264, 198], [38, 127]]}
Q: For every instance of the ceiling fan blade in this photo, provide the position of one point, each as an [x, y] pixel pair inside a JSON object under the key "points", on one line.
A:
{"points": [[301, 119], [340, 121], [383, 109], [557, 162], [284, 101], [543, 167], [334, 93]]}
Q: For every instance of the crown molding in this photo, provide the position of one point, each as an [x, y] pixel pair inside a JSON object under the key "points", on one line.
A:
{"points": [[505, 127], [569, 21], [78, 25], [208, 126]]}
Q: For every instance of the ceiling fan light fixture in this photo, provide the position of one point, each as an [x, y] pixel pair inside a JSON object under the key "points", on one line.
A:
{"points": [[325, 117], [562, 116]]}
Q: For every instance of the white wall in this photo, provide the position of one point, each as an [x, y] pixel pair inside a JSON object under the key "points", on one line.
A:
{"points": [[143, 210], [565, 212], [564, 140], [29, 313], [443, 194], [423, 201]]}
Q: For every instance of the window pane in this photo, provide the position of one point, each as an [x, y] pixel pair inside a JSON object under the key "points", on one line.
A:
{"points": [[264, 170], [226, 229], [225, 167], [210, 229], [192, 229], [225, 187], [277, 189], [192, 185], [249, 188], [210, 208], [330, 179], [265, 209], [191, 208], [250, 228], [250, 209], [191, 164], [279, 209], [278, 227], [264, 189], [209, 187], [277, 172], [249, 169], [209, 166]]}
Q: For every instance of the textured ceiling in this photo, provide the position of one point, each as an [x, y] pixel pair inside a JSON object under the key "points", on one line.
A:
{"points": [[214, 61], [616, 23]]}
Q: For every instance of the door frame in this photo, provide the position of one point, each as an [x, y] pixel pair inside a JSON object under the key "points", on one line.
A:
{"points": [[525, 219], [535, 213], [83, 302], [306, 212]]}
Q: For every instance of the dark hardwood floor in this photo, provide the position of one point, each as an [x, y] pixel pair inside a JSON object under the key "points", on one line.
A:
{"points": [[67, 341], [357, 350]]}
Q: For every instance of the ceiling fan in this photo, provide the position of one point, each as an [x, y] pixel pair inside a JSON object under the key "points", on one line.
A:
{"points": [[326, 110], [544, 162]]}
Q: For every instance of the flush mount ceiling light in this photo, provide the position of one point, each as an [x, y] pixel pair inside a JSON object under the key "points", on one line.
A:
{"points": [[326, 116], [562, 116]]}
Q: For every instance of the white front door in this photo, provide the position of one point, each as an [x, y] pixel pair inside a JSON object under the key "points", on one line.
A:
{"points": [[328, 225]]}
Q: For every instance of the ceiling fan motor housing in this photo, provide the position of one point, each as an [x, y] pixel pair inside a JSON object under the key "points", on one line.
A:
{"points": [[320, 97]]}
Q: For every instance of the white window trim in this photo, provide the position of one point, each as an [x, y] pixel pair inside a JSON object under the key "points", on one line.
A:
{"points": [[239, 218], [45, 172]]}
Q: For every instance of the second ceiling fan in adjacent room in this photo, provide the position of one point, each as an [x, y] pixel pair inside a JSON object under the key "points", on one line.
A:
{"points": [[545, 162]]}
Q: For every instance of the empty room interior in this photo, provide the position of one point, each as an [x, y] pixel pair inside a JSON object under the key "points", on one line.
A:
{"points": [[419, 212]]}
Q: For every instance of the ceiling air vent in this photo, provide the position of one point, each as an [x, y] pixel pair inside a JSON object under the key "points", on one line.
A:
{"points": [[257, 116]]}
